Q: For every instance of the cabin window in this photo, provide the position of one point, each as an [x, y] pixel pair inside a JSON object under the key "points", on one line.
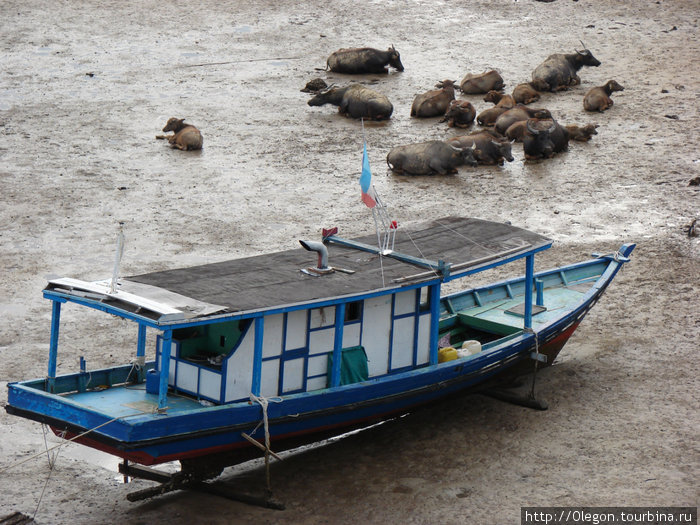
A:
{"points": [[424, 304], [353, 311], [203, 342]]}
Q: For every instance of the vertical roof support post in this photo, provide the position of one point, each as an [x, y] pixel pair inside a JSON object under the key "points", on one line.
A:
{"points": [[141, 353], [338, 344], [53, 345], [164, 370], [257, 355], [434, 294], [529, 279]]}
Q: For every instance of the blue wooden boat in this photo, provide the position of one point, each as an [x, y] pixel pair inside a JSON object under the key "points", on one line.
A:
{"points": [[275, 345]]}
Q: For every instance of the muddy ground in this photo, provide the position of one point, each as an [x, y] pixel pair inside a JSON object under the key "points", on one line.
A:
{"points": [[84, 88]]}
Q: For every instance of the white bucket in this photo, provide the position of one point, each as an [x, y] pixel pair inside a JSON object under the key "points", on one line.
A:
{"points": [[471, 347]]}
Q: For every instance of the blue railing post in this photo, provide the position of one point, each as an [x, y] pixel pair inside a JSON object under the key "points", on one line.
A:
{"points": [[529, 278], [141, 353], [164, 369], [257, 355], [434, 292], [53, 345], [338, 344]]}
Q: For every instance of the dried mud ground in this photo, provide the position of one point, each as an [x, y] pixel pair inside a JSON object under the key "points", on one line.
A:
{"points": [[84, 88]]}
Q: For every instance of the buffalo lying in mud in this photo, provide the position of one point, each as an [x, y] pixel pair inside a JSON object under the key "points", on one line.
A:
{"points": [[428, 158], [482, 83], [489, 116], [525, 94], [581, 133], [184, 137], [544, 138], [598, 98], [558, 71], [356, 101], [460, 114], [359, 60], [501, 100], [516, 114], [517, 131], [489, 149], [434, 103]]}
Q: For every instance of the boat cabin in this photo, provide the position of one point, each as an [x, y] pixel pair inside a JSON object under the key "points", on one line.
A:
{"points": [[275, 324]]}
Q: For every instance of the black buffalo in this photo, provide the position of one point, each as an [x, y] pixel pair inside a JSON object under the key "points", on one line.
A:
{"points": [[489, 149], [356, 101], [428, 158], [361, 60], [558, 71], [544, 138]]}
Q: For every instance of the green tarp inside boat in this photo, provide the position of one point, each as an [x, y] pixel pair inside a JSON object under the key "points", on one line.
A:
{"points": [[353, 365]]}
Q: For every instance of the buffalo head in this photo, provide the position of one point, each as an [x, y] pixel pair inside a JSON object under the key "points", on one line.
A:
{"points": [[395, 58], [466, 155], [586, 58]]}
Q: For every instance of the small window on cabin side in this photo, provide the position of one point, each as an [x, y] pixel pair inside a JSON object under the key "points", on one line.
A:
{"points": [[353, 311], [424, 304]]}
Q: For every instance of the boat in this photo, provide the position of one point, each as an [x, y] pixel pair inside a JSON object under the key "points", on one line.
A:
{"points": [[270, 352]]}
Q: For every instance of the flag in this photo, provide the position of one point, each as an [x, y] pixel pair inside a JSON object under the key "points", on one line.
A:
{"points": [[366, 181]]}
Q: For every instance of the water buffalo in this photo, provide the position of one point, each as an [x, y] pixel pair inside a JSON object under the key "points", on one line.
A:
{"points": [[501, 100], [460, 113], [558, 71], [525, 94], [361, 60], [581, 133], [489, 116], [516, 131], [184, 137], [482, 83], [314, 86], [356, 101], [598, 98], [428, 158], [544, 138], [434, 103], [488, 148], [515, 114]]}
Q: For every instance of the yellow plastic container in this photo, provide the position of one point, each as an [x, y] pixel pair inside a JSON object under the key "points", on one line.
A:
{"points": [[447, 354]]}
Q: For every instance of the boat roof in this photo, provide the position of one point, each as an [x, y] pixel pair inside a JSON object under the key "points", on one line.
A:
{"points": [[442, 249]]}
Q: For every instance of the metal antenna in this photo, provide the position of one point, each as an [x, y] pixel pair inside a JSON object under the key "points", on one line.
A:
{"points": [[117, 257]]}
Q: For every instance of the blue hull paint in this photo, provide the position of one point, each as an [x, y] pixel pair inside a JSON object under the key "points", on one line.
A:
{"points": [[195, 431]]}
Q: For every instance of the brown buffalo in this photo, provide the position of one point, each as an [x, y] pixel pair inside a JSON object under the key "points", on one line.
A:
{"points": [[598, 98], [482, 83], [525, 94], [184, 137], [460, 113], [500, 99], [434, 103]]}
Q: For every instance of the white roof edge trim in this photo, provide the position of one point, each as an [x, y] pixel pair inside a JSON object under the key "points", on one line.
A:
{"points": [[153, 298]]}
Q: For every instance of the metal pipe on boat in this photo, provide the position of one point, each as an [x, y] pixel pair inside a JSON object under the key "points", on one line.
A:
{"points": [[319, 248], [539, 286]]}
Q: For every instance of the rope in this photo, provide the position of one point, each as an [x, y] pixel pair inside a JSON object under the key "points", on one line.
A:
{"points": [[420, 251], [490, 250], [537, 361], [263, 402], [3, 470]]}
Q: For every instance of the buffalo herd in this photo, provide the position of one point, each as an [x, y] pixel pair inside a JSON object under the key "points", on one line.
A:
{"points": [[509, 120]]}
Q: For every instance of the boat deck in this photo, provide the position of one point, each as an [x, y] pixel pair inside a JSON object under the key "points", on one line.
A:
{"points": [[122, 401], [499, 317]]}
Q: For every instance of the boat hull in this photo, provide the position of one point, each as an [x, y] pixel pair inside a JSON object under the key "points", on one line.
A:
{"points": [[216, 431]]}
